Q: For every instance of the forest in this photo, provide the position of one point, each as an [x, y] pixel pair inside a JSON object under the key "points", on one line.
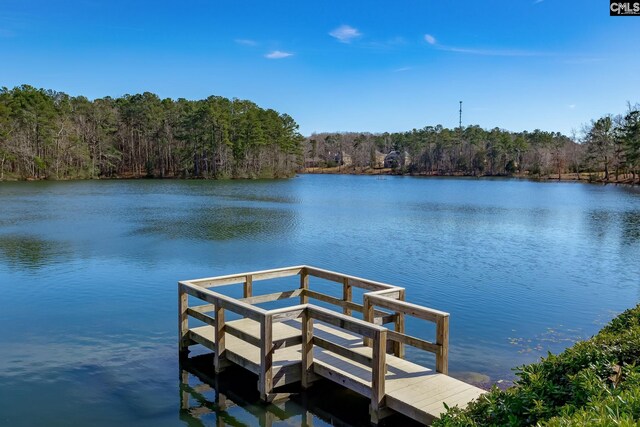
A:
{"points": [[46, 134], [608, 149]]}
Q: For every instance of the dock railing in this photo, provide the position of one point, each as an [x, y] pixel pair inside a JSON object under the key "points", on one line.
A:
{"points": [[389, 298], [377, 362], [384, 299]]}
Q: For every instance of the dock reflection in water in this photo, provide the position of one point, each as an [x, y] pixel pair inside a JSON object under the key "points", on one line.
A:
{"points": [[231, 399]]}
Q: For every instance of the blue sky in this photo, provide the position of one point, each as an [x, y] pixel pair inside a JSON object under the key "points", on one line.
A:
{"points": [[339, 65]]}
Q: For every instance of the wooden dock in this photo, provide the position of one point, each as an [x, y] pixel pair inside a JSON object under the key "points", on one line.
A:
{"points": [[305, 342]]}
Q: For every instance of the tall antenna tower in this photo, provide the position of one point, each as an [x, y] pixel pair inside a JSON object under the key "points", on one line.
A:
{"points": [[460, 126]]}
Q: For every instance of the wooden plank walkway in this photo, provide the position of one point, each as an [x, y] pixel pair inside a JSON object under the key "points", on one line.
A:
{"points": [[304, 342]]}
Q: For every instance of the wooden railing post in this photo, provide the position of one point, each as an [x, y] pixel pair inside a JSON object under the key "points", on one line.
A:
{"points": [[368, 313], [265, 380], [183, 320], [307, 348], [347, 294], [442, 339], [378, 370], [398, 347], [304, 284], [219, 355], [248, 286]]}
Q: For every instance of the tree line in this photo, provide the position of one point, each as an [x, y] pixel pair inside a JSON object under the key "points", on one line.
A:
{"points": [[49, 134], [613, 143], [608, 147]]}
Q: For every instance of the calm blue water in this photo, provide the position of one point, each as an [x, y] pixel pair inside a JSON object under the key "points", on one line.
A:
{"points": [[88, 274]]}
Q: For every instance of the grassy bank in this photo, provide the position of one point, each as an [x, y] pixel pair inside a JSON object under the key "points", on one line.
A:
{"points": [[596, 383]]}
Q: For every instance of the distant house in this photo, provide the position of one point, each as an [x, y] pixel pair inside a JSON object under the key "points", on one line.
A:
{"points": [[379, 160], [341, 158], [395, 159]]}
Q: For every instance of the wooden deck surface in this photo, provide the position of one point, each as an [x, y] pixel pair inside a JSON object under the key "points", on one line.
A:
{"points": [[410, 389]]}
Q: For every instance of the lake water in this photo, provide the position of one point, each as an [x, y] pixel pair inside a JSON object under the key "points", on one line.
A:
{"points": [[88, 272]]}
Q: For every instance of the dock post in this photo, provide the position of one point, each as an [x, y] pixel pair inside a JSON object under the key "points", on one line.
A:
{"points": [[219, 354], [265, 380], [378, 376], [183, 321], [368, 313], [304, 285], [442, 339], [347, 295], [398, 347], [247, 288], [307, 348]]}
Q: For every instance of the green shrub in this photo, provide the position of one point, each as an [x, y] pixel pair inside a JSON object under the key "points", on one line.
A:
{"points": [[595, 382]]}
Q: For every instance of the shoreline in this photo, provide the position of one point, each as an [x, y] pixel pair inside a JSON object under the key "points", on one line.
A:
{"points": [[133, 177], [583, 177]]}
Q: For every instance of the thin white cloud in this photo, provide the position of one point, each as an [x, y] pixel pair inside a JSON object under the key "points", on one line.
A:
{"points": [[246, 42], [572, 106], [492, 52], [484, 52], [583, 60], [403, 69], [538, 1], [565, 58], [278, 54], [345, 33]]}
